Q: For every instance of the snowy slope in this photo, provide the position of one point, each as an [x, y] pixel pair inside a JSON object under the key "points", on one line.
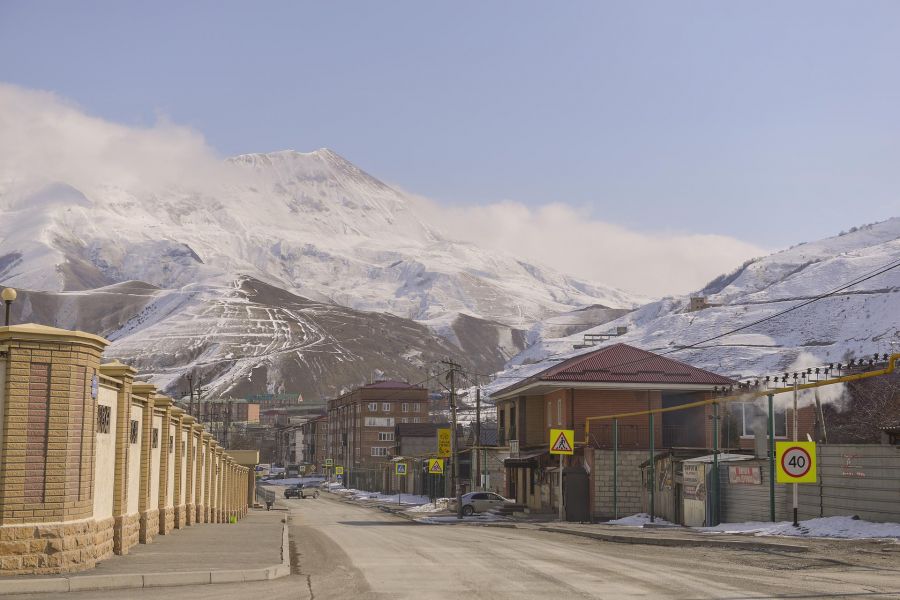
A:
{"points": [[311, 223], [857, 322]]}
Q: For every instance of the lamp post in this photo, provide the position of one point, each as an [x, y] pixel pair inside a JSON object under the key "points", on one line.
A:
{"points": [[8, 295]]}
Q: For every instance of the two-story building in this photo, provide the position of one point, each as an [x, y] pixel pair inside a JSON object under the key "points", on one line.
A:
{"points": [[611, 380], [361, 428]]}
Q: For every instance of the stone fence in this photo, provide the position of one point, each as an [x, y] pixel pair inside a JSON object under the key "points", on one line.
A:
{"points": [[93, 462]]}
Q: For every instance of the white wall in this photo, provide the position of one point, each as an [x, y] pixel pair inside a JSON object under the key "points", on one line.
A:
{"points": [[134, 460], [154, 462], [182, 497], [105, 458], [170, 489]]}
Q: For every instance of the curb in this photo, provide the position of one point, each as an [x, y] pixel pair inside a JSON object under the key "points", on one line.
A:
{"points": [[123, 581], [677, 542]]}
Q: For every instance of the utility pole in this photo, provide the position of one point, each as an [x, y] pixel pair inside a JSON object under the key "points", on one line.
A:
{"points": [[476, 450], [454, 449], [190, 380]]}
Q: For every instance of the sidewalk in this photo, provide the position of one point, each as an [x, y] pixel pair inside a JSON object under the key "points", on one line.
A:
{"points": [[253, 549]]}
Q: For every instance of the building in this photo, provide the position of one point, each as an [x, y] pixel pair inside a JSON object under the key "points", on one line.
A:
{"points": [[615, 379], [361, 428], [314, 435]]}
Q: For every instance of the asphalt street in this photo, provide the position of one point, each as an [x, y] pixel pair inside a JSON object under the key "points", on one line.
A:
{"points": [[341, 550]]}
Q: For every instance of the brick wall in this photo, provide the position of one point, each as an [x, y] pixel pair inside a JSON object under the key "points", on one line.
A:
{"points": [[628, 479], [73, 493]]}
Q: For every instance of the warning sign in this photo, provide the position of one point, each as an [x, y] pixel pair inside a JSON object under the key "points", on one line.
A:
{"points": [[436, 466], [444, 444], [339, 470], [562, 441], [795, 462], [400, 468]]}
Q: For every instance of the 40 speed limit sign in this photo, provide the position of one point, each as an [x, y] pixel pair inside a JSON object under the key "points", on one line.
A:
{"points": [[795, 462]]}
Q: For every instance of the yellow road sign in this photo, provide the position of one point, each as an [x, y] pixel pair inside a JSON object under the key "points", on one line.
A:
{"points": [[436, 466], [445, 446], [329, 462], [400, 468], [339, 470], [795, 462], [562, 441]]}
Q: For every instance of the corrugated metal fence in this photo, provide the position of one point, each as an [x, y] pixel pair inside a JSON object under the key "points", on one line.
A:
{"points": [[859, 480]]}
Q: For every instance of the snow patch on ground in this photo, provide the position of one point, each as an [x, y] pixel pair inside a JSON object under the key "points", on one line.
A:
{"points": [[638, 520], [439, 505], [830, 527]]}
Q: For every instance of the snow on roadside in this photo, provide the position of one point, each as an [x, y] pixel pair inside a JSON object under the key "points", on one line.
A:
{"points": [[476, 518], [439, 505], [638, 520], [830, 527]]}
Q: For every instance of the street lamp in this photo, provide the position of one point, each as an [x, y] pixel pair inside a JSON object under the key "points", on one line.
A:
{"points": [[8, 295]]}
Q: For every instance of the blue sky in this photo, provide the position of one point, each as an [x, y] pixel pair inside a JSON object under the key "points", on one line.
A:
{"points": [[771, 122]]}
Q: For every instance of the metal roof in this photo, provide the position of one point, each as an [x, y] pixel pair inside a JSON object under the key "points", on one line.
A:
{"points": [[622, 364]]}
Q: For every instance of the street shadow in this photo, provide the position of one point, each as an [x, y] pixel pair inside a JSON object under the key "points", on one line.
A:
{"points": [[379, 523]]}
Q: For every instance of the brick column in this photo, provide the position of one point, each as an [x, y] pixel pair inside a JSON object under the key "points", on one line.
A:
{"points": [[200, 474], [207, 475], [147, 507], [125, 529], [49, 416]]}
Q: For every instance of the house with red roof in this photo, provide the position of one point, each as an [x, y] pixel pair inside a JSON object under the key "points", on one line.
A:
{"points": [[610, 380]]}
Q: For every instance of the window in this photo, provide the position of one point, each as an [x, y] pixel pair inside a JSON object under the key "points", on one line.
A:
{"points": [[415, 419], [404, 407], [559, 411], [385, 407], [404, 420], [171, 444], [379, 451], [154, 438], [417, 407], [385, 436], [379, 421], [750, 413], [134, 432], [512, 423], [103, 417], [373, 407]]}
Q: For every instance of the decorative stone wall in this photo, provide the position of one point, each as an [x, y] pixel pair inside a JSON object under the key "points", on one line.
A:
{"points": [[62, 417]]}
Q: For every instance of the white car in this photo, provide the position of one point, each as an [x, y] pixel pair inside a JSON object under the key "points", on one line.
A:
{"points": [[474, 502]]}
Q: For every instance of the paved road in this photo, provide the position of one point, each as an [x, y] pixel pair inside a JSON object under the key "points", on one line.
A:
{"points": [[345, 551]]}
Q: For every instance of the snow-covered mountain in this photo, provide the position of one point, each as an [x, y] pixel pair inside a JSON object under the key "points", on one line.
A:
{"points": [[310, 228], [859, 321]]}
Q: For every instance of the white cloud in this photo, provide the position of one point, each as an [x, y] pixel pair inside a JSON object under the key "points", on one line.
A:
{"points": [[570, 240], [44, 138]]}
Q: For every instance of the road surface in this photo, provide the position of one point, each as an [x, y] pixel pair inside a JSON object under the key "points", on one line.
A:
{"points": [[344, 551]]}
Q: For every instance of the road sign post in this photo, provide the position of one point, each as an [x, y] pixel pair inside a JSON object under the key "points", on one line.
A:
{"points": [[796, 463], [562, 442], [400, 470]]}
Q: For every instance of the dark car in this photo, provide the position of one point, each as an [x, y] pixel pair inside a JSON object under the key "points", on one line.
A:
{"points": [[292, 492]]}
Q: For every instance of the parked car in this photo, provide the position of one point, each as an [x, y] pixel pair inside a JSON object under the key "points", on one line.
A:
{"points": [[304, 490], [474, 502]]}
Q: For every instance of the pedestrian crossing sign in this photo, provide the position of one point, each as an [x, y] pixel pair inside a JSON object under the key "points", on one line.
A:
{"points": [[339, 470], [562, 441], [436, 466], [400, 468]]}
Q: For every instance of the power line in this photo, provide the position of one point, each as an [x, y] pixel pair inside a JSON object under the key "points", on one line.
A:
{"points": [[860, 279]]}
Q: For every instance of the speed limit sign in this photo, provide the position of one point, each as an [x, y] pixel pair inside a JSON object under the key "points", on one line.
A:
{"points": [[795, 462]]}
